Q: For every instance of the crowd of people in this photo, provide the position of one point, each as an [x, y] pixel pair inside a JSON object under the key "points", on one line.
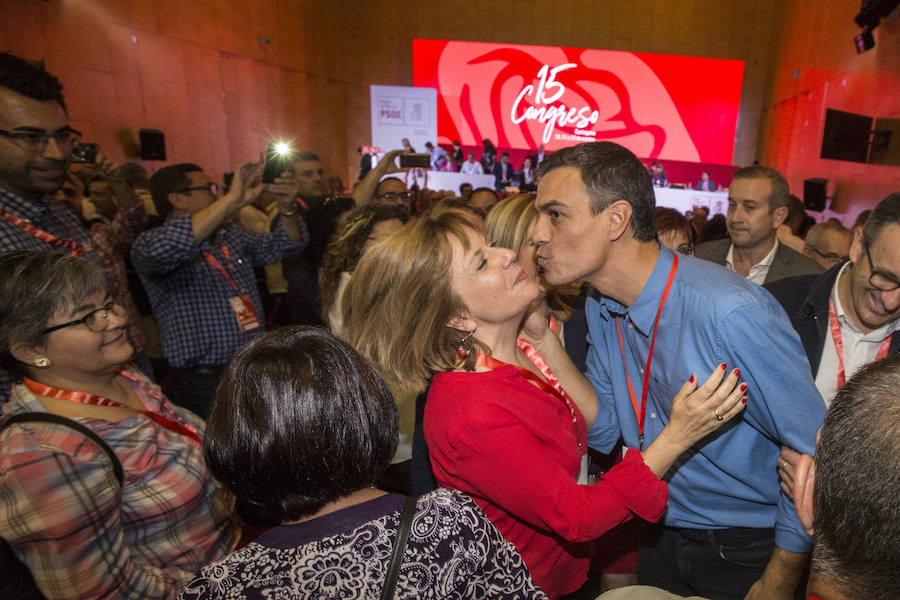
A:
{"points": [[277, 389]]}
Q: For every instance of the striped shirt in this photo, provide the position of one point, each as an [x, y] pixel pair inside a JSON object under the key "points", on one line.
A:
{"points": [[81, 534]]}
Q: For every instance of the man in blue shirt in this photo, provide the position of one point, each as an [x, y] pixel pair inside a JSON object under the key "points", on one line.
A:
{"points": [[728, 529], [198, 271]]}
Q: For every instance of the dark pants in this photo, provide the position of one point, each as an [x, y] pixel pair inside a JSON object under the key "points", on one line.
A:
{"points": [[713, 563], [194, 388]]}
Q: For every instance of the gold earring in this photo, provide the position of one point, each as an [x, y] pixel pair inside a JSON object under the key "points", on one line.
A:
{"points": [[42, 362]]}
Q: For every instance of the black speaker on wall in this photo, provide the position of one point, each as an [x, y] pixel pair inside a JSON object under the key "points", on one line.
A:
{"points": [[815, 194], [153, 144]]}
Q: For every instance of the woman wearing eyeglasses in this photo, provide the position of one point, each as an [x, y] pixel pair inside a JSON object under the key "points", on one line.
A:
{"points": [[80, 530]]}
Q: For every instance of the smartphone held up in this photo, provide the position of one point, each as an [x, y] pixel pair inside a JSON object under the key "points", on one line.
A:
{"points": [[279, 157]]}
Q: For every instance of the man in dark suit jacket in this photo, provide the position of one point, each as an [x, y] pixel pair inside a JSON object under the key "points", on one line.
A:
{"points": [[503, 172], [757, 206], [850, 315]]}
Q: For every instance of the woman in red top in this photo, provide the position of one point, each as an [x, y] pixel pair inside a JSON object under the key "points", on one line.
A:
{"points": [[507, 412]]}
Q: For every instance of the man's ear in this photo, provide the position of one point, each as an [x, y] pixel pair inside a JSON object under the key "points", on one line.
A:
{"points": [[857, 246], [177, 201], [778, 216], [618, 217], [804, 483]]}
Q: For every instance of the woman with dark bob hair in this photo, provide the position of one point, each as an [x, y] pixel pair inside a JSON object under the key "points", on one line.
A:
{"points": [[434, 305], [112, 498], [303, 427]]}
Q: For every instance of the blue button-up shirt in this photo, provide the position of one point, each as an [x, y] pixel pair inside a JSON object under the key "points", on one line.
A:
{"points": [[190, 298], [711, 316]]}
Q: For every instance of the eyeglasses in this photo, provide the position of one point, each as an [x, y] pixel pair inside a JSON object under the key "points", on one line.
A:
{"points": [[685, 249], [69, 192], [878, 279], [394, 195], [829, 256], [212, 188], [37, 140], [95, 320]]}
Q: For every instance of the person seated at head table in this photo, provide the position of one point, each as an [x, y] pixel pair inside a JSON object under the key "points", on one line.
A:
{"points": [[506, 427], [80, 532], [303, 427]]}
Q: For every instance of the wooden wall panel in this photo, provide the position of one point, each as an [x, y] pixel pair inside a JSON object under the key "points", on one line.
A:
{"points": [[198, 64]]}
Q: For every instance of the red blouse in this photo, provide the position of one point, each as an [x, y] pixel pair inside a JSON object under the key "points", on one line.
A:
{"points": [[512, 448]]}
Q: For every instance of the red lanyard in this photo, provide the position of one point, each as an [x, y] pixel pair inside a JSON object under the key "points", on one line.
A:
{"points": [[839, 344], [174, 424], [218, 266], [641, 412], [554, 389], [74, 248]]}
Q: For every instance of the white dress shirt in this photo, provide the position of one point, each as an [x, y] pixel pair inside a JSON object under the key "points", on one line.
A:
{"points": [[860, 348], [758, 271]]}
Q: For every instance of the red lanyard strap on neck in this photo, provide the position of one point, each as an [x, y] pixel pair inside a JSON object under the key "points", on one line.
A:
{"points": [[839, 343], [74, 248], [227, 274], [641, 411], [173, 423]]}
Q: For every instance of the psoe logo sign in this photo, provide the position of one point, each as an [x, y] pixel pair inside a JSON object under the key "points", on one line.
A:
{"points": [[544, 111], [390, 111]]}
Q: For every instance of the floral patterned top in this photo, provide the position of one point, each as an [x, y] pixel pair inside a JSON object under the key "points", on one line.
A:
{"points": [[453, 552]]}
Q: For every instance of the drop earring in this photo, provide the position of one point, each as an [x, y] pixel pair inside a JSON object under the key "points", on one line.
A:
{"points": [[465, 346]]}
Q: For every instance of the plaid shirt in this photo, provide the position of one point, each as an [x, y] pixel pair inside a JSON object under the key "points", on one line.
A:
{"points": [[80, 534], [111, 241], [54, 217], [190, 298]]}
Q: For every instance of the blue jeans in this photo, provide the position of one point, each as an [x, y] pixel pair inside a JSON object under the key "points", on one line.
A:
{"points": [[714, 563]]}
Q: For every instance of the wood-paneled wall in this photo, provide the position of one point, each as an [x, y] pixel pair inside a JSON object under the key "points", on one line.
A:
{"points": [[196, 69]]}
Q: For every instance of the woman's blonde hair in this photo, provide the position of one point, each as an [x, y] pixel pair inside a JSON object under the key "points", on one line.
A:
{"points": [[399, 302], [507, 226]]}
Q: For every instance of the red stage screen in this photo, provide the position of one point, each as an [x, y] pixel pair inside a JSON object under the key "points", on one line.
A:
{"points": [[659, 106]]}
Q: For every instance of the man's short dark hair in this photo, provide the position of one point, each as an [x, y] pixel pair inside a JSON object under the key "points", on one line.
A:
{"points": [[487, 190], [300, 420], [856, 504], [611, 172], [168, 180], [386, 179], [302, 155], [886, 213], [780, 193], [429, 145], [462, 186], [29, 80]]}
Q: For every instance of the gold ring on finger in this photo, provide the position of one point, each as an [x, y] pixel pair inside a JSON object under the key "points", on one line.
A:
{"points": [[718, 416]]}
